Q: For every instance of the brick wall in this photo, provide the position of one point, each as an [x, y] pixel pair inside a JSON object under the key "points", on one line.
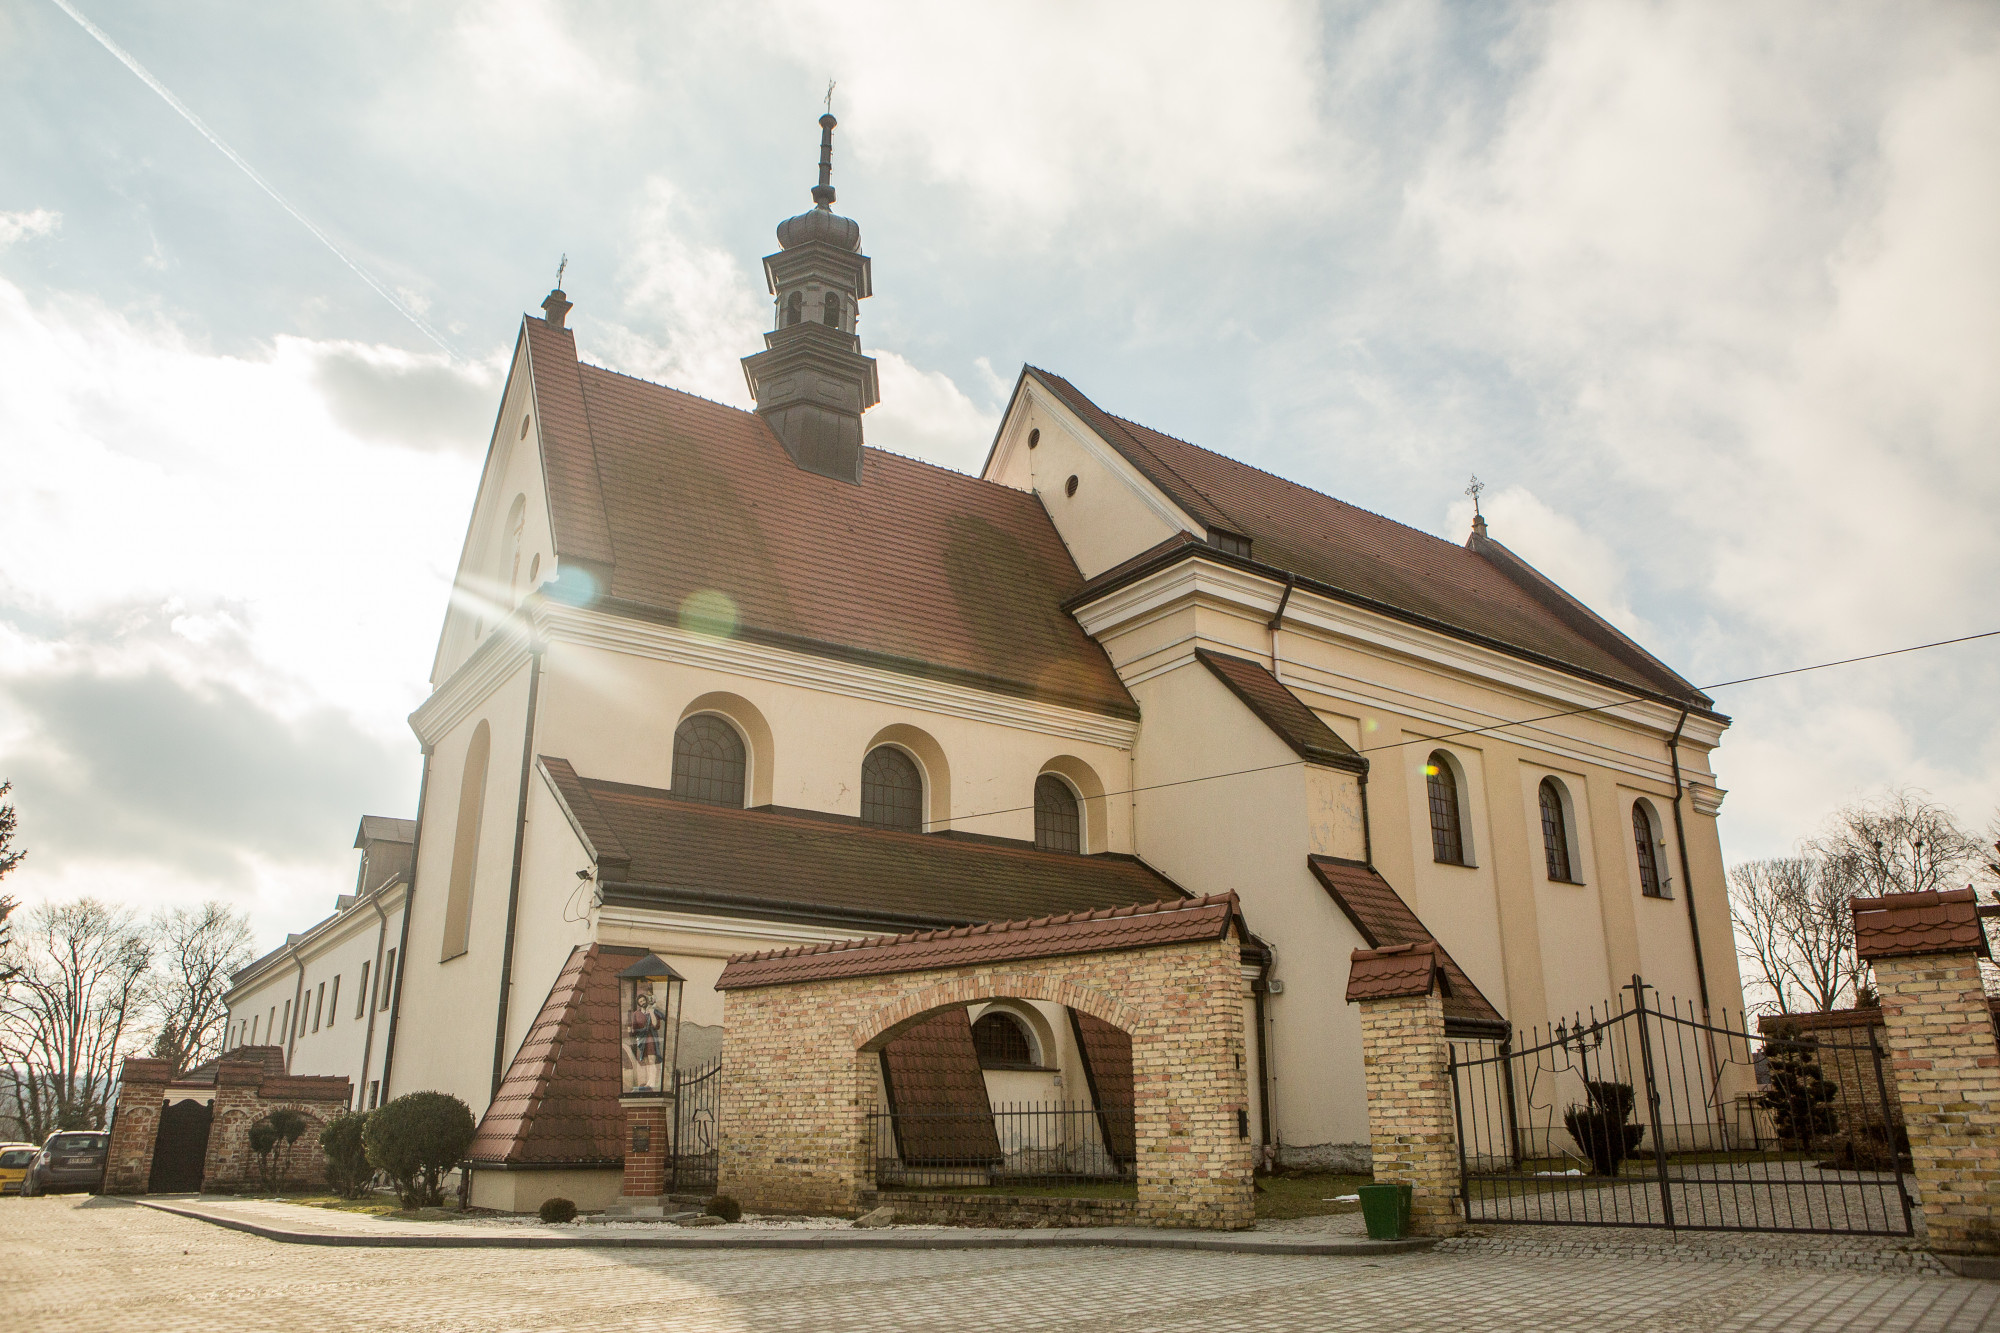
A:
{"points": [[987, 1210], [142, 1091], [1941, 1043], [803, 1065], [1405, 1060], [245, 1092]]}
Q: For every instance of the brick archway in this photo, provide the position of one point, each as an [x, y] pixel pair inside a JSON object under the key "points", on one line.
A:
{"points": [[885, 1024], [802, 1028]]}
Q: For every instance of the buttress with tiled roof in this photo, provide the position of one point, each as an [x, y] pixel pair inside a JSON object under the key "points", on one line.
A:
{"points": [[728, 683]]}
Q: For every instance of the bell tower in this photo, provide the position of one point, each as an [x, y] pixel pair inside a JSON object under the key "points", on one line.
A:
{"points": [[811, 381]]}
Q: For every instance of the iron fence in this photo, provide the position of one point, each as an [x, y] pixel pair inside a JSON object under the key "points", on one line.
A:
{"points": [[1016, 1143], [1642, 1114], [696, 1147]]}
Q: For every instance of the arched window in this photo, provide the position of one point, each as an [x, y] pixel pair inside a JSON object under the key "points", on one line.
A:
{"points": [[795, 308], [708, 761], [1001, 1041], [1645, 840], [831, 307], [892, 790], [1447, 822], [465, 845], [1555, 832], [1058, 825]]}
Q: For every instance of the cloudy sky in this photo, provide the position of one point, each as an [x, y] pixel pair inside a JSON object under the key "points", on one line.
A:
{"points": [[1707, 294]]}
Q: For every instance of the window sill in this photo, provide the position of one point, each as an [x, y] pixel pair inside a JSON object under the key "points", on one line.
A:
{"points": [[1462, 865], [1573, 883], [1657, 897]]}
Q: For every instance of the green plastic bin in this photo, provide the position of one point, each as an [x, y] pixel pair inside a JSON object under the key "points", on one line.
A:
{"points": [[1387, 1209]]}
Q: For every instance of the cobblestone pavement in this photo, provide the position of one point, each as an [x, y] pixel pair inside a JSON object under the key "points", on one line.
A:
{"points": [[87, 1264]]}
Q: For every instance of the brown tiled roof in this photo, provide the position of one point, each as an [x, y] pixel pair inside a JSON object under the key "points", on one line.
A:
{"points": [[1107, 1065], [1483, 592], [917, 568], [939, 1093], [559, 1100], [1282, 711], [1900, 925], [1395, 972], [1823, 1020], [1385, 921], [808, 866], [1138, 927]]}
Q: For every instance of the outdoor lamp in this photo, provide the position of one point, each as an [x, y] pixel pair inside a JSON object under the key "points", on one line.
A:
{"points": [[649, 997]]}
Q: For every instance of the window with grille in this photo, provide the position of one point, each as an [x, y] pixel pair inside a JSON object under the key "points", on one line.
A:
{"points": [[1646, 842], [708, 761], [1001, 1042], [1447, 828], [892, 790], [1058, 823], [388, 980], [1555, 832]]}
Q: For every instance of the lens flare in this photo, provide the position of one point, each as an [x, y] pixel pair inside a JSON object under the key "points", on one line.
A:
{"points": [[709, 612]]}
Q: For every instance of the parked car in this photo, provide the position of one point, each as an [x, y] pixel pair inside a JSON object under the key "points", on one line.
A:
{"points": [[72, 1159], [14, 1160]]}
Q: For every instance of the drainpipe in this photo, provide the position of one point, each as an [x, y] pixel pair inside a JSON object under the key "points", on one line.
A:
{"points": [[514, 884], [1367, 837], [368, 1001], [1291, 581], [1687, 875], [298, 1001], [395, 983], [1265, 1078]]}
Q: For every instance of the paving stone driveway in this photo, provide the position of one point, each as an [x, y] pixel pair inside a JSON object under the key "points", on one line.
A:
{"points": [[71, 1263]]}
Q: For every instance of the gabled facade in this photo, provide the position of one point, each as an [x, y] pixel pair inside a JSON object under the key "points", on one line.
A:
{"points": [[715, 682]]}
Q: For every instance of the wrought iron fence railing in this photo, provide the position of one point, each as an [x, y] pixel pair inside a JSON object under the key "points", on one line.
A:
{"points": [[1643, 1114], [1016, 1143], [696, 1147]]}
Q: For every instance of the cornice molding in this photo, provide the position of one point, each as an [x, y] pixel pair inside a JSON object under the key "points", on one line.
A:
{"points": [[557, 622], [640, 918], [503, 653], [1035, 395], [1707, 800], [1255, 597], [328, 935]]}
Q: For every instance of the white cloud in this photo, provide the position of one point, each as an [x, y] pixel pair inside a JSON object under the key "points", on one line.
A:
{"points": [[28, 225], [1586, 566], [924, 414]]}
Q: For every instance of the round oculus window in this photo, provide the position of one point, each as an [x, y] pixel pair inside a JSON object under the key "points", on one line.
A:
{"points": [[1069, 487], [1034, 438], [524, 427]]}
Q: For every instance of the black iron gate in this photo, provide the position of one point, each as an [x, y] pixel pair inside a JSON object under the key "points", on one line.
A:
{"points": [[1644, 1115], [180, 1149], [696, 1148]]}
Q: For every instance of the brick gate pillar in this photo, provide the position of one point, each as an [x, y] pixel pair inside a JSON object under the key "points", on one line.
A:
{"points": [[1925, 948], [142, 1090], [1404, 1058]]}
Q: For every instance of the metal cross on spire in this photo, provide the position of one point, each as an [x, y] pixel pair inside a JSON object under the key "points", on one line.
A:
{"points": [[560, 269], [830, 86], [1473, 490]]}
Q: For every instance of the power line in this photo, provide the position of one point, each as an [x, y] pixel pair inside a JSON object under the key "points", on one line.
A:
{"points": [[146, 76], [1519, 722]]}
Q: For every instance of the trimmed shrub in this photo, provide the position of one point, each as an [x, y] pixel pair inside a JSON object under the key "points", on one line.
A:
{"points": [[282, 1126], [724, 1207], [347, 1168], [1800, 1096], [557, 1211], [1602, 1127], [416, 1139]]}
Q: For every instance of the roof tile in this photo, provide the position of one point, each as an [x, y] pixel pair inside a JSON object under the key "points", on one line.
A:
{"points": [[1902, 925], [1282, 711], [1136, 927], [1386, 921]]}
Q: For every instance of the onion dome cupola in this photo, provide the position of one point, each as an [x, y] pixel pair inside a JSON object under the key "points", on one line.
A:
{"points": [[811, 382]]}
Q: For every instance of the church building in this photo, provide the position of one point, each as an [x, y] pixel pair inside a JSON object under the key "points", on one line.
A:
{"points": [[718, 681]]}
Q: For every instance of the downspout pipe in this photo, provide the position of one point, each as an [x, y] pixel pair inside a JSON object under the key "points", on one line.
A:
{"points": [[395, 983], [1687, 873], [514, 882], [368, 1002], [297, 1018], [1278, 619], [1265, 1078]]}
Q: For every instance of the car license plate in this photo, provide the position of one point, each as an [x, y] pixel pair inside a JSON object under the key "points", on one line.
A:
{"points": [[77, 1161]]}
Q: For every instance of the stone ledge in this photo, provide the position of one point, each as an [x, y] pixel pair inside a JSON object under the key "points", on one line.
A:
{"points": [[1133, 1238]]}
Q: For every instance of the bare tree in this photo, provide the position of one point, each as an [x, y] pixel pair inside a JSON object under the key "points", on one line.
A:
{"points": [[70, 1012], [196, 950], [1794, 926], [1900, 841], [10, 856]]}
